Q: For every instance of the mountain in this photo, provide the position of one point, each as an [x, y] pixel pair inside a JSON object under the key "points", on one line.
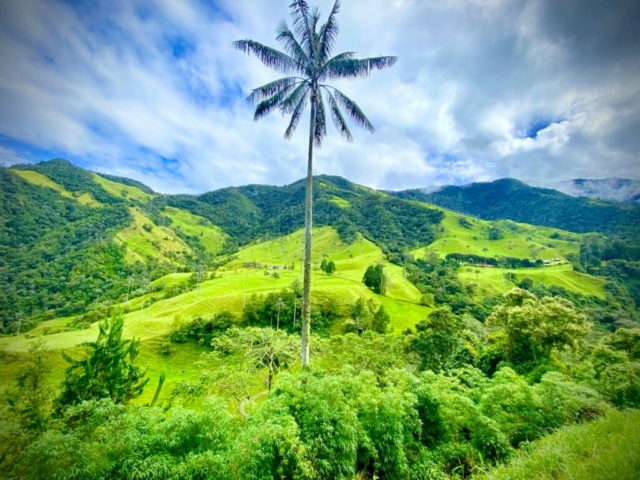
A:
{"points": [[70, 238], [418, 333], [611, 189], [514, 200]]}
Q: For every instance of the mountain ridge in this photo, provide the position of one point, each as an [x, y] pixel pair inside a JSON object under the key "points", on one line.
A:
{"points": [[514, 200]]}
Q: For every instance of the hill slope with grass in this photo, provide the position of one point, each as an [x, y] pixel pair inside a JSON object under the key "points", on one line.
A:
{"points": [[427, 360], [511, 199], [114, 236]]}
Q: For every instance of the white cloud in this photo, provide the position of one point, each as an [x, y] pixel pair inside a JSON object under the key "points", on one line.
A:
{"points": [[98, 84], [9, 157]]}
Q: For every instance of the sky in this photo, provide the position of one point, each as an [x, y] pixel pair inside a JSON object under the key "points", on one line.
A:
{"points": [[539, 90]]}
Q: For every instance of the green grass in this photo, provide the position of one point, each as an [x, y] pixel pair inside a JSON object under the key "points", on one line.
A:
{"points": [[150, 317], [41, 180], [520, 240], [210, 236], [341, 202], [120, 190], [606, 449], [152, 242], [491, 281]]}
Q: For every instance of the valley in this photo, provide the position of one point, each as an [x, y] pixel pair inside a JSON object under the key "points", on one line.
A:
{"points": [[185, 272]]}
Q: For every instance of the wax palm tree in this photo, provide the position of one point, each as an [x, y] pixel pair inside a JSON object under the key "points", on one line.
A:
{"points": [[308, 64]]}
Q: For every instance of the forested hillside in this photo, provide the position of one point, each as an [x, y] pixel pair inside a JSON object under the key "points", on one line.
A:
{"points": [[72, 238], [157, 336], [260, 211], [513, 200]]}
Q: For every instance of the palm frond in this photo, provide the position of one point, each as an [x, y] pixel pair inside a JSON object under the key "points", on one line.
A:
{"points": [[270, 57], [353, 110], [267, 106], [355, 68], [289, 104], [270, 89], [314, 18], [291, 44], [320, 124], [328, 33], [295, 118], [338, 118], [301, 25]]}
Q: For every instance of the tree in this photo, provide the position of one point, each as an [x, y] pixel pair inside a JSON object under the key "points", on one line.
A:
{"points": [[375, 279], [279, 304], [31, 400], [323, 265], [381, 319], [438, 339], [361, 315], [534, 327], [260, 350], [275, 276], [331, 267], [107, 371], [308, 56]]}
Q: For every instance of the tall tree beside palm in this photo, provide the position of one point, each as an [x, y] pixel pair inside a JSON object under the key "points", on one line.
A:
{"points": [[308, 64]]}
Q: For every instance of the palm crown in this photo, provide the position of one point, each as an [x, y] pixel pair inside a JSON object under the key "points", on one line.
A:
{"points": [[308, 57]]}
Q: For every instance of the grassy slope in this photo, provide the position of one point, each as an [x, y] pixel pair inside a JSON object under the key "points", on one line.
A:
{"points": [[160, 243], [607, 449], [152, 323], [520, 241], [120, 190], [41, 180], [491, 280], [210, 236]]}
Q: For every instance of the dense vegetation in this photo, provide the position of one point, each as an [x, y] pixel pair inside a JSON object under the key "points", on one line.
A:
{"points": [[514, 200], [59, 255], [260, 211], [480, 377], [444, 401], [56, 255]]}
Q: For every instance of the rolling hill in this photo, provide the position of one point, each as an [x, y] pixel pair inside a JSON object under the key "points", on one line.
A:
{"points": [[105, 238], [509, 199], [89, 241]]}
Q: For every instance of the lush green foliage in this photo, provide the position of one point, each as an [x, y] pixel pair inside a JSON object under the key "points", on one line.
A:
{"points": [[375, 405], [256, 211], [56, 255], [513, 200], [375, 279], [608, 449], [468, 387], [107, 371]]}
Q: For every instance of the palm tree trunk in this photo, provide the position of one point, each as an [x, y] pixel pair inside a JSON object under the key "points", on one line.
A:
{"points": [[308, 213]]}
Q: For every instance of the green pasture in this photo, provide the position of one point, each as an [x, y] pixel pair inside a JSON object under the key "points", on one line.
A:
{"points": [[491, 281], [145, 240], [209, 235], [519, 240], [121, 190], [41, 180]]}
